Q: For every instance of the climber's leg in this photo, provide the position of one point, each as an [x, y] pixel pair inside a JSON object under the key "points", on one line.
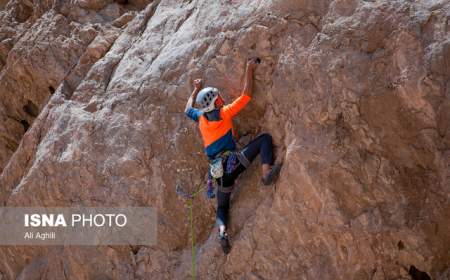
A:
{"points": [[223, 198], [223, 206], [263, 146], [260, 145]]}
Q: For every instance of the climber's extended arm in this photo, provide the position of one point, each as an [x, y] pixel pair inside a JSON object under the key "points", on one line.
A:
{"points": [[190, 111], [249, 69], [191, 101], [237, 105]]}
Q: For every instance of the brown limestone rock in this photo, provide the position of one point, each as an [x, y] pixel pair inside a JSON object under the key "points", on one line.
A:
{"points": [[354, 92]]}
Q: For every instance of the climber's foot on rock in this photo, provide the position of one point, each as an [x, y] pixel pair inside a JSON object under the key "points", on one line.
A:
{"points": [[225, 243], [272, 175]]}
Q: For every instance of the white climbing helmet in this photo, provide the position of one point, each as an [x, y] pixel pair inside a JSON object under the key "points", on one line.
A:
{"points": [[206, 98]]}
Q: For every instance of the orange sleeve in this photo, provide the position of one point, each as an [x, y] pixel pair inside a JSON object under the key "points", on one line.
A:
{"points": [[234, 108]]}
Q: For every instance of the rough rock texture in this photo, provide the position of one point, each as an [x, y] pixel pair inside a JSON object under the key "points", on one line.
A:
{"points": [[3, 3], [355, 93], [41, 46]]}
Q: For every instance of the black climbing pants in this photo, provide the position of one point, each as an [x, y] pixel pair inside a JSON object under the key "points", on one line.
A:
{"points": [[261, 145]]}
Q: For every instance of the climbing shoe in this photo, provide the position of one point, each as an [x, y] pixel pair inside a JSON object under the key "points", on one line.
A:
{"points": [[225, 243], [273, 175]]}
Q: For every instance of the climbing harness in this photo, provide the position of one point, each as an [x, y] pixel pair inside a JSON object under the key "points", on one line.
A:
{"points": [[215, 173], [216, 165], [216, 168], [224, 163]]}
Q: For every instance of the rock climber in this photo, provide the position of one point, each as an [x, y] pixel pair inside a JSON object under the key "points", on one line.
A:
{"points": [[226, 163]]}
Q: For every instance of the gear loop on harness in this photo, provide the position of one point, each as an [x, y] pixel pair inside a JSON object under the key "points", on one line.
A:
{"points": [[229, 161]]}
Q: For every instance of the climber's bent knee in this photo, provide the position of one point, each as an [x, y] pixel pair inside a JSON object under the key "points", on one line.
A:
{"points": [[262, 145]]}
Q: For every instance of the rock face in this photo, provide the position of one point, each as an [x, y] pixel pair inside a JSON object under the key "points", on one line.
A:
{"points": [[355, 93]]}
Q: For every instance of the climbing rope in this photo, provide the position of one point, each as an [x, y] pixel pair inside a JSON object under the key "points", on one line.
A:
{"points": [[190, 204]]}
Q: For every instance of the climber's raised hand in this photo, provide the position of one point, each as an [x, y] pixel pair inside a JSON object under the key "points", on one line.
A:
{"points": [[249, 68], [198, 84], [191, 101], [252, 63]]}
